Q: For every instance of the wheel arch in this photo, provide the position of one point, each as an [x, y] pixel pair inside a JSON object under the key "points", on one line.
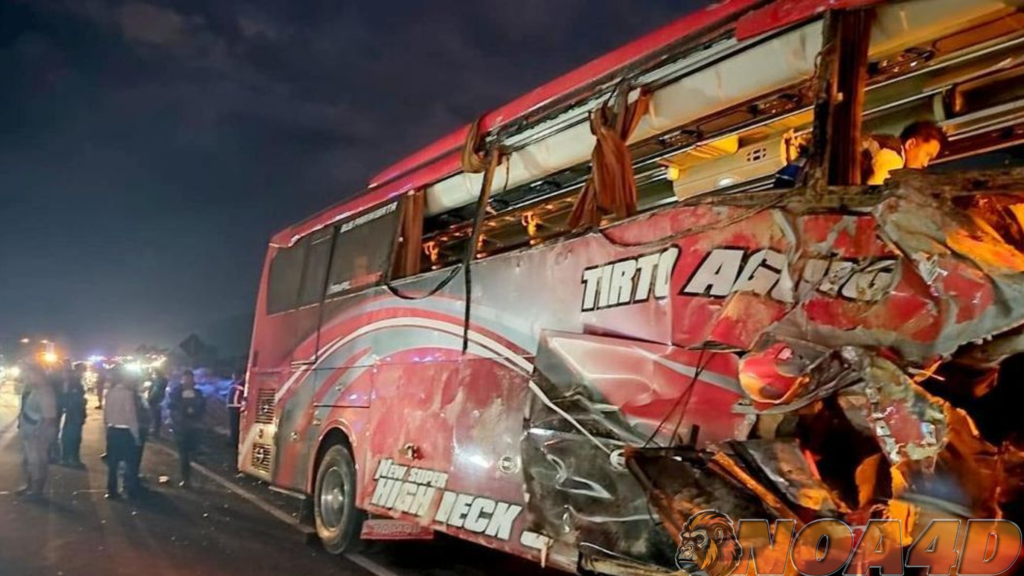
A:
{"points": [[333, 435]]}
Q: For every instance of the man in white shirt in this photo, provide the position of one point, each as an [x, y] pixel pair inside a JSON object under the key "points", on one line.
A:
{"points": [[37, 426], [121, 416], [918, 144]]}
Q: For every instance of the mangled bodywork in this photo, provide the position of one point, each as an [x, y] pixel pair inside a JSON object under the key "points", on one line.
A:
{"points": [[827, 356], [789, 354]]}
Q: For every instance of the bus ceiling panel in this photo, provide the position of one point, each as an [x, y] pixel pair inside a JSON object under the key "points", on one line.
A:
{"points": [[1005, 26], [927, 67], [688, 63], [996, 89], [654, 79], [984, 142], [938, 77], [895, 17], [901, 25], [1005, 115], [767, 67]]}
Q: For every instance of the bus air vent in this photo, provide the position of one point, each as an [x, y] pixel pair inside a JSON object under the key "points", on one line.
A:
{"points": [[262, 455], [265, 406]]}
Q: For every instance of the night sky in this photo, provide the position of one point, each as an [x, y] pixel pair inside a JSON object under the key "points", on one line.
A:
{"points": [[149, 150]]}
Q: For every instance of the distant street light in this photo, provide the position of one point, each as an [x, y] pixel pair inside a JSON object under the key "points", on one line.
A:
{"points": [[25, 340]]}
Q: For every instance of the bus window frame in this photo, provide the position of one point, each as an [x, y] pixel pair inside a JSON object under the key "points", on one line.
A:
{"points": [[336, 234], [270, 277], [333, 238], [305, 269]]}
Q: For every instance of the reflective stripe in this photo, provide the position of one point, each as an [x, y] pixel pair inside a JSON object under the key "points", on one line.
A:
{"points": [[235, 396]]}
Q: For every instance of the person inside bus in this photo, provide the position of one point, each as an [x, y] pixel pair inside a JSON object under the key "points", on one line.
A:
{"points": [[915, 148]]}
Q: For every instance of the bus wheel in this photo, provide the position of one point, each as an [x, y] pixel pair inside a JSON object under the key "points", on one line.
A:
{"points": [[338, 521]]}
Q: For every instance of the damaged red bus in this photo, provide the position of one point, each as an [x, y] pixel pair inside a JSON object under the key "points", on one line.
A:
{"points": [[564, 329]]}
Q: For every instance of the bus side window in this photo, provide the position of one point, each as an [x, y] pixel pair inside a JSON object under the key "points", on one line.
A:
{"points": [[285, 276], [529, 225], [444, 238], [315, 271], [362, 250]]}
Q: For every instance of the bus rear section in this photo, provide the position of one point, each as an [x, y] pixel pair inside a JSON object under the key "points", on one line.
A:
{"points": [[497, 349]]}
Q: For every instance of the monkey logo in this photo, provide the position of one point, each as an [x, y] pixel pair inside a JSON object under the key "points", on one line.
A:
{"points": [[708, 544]]}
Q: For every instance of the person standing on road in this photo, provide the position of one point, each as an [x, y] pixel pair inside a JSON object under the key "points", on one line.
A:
{"points": [[142, 408], [236, 397], [101, 384], [37, 426], [57, 378], [187, 406], [121, 417], [155, 400], [74, 418]]}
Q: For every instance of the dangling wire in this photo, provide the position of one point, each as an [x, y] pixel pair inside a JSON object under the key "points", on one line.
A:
{"points": [[452, 273], [493, 157], [683, 402]]}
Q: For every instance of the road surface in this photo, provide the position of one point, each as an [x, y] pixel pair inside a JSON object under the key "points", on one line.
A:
{"points": [[225, 526]]}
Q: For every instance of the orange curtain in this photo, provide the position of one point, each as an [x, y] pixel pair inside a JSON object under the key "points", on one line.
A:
{"points": [[410, 246], [611, 188]]}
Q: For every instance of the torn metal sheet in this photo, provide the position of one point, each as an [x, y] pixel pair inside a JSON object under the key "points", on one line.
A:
{"points": [[785, 465], [782, 374], [909, 423], [593, 397]]}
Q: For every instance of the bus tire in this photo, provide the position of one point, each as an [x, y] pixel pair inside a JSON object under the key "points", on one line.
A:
{"points": [[338, 521]]}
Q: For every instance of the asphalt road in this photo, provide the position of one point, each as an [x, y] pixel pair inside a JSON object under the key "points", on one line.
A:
{"points": [[210, 530]]}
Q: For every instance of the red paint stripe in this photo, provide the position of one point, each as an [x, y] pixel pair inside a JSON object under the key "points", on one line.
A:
{"points": [[358, 320]]}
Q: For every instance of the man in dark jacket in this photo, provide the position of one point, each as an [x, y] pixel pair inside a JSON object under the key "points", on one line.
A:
{"points": [[187, 406], [57, 379], [102, 375], [74, 404], [135, 464], [236, 399], [155, 399]]}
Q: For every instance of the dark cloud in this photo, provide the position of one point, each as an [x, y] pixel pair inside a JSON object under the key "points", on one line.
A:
{"points": [[149, 24], [149, 149]]}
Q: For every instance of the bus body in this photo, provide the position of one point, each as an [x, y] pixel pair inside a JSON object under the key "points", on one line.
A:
{"points": [[539, 395]]}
